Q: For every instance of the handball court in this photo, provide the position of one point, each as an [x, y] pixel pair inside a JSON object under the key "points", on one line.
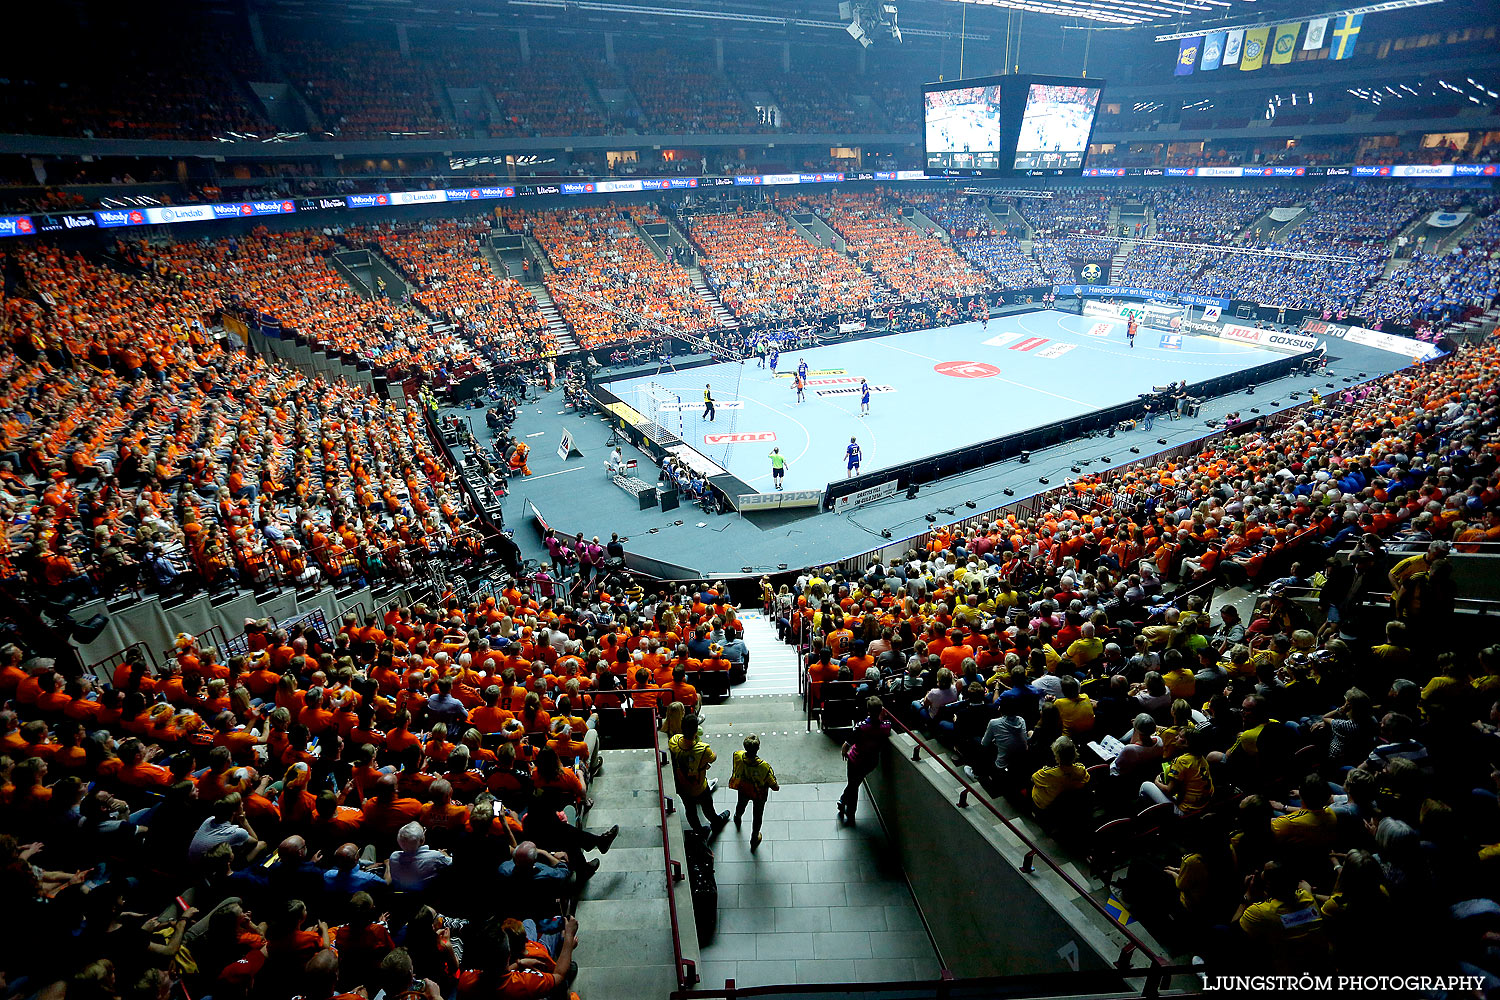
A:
{"points": [[927, 412], [931, 391]]}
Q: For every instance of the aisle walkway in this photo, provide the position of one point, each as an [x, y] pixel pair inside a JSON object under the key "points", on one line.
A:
{"points": [[625, 937], [818, 902], [773, 664]]}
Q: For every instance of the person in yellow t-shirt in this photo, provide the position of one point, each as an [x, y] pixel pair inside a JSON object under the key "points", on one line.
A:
{"points": [[1074, 708], [1313, 827], [1049, 784], [754, 780], [1280, 916], [691, 759]]}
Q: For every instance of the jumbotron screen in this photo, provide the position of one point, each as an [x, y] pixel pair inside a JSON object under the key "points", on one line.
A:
{"points": [[1056, 125], [1003, 126], [963, 127]]}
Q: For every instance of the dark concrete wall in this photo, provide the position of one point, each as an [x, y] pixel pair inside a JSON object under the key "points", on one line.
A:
{"points": [[986, 917]]}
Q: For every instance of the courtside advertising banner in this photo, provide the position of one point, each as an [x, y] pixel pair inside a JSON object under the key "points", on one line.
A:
{"points": [[858, 499], [1418, 349], [1276, 340]]}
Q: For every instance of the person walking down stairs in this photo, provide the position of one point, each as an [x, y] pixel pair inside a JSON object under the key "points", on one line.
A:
{"points": [[691, 759], [754, 780]]}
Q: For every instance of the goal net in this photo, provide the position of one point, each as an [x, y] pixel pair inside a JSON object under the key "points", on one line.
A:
{"points": [[661, 406], [674, 402]]}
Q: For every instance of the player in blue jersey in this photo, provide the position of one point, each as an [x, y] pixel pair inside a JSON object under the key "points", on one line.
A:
{"points": [[774, 355], [864, 398], [852, 454], [802, 368]]}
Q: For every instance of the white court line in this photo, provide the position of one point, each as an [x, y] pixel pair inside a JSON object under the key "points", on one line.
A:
{"points": [[1044, 392], [1020, 385], [905, 351], [532, 479], [806, 435]]}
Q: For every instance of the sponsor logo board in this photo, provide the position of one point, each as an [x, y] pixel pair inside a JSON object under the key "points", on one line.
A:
{"points": [[966, 369], [854, 390], [864, 496], [744, 437], [1243, 334], [1171, 342], [1029, 344], [1055, 350], [733, 404], [1100, 329], [814, 371], [1000, 340]]}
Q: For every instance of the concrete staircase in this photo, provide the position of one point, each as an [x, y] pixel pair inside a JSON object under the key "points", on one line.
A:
{"points": [[814, 230], [539, 255], [722, 315], [625, 933], [1122, 254], [773, 663], [924, 223], [556, 325], [653, 243]]}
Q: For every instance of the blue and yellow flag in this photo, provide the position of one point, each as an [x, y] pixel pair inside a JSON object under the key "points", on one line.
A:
{"points": [[1187, 56], [1213, 50], [1284, 43], [1254, 56], [1345, 33]]}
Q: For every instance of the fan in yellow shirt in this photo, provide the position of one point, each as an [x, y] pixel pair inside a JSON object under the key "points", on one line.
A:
{"points": [[1050, 784]]}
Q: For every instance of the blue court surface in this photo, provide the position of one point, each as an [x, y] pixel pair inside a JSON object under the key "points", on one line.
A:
{"points": [[932, 390]]}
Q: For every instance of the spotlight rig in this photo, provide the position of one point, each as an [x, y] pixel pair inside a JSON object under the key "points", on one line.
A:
{"points": [[867, 21]]}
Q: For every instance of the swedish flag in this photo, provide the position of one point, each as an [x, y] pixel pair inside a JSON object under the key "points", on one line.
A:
{"points": [[1345, 34]]}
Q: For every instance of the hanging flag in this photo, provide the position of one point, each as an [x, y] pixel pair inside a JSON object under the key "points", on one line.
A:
{"points": [[1213, 51], [1254, 56], [1284, 43], [1232, 46], [1317, 31], [1345, 33], [1187, 56]]}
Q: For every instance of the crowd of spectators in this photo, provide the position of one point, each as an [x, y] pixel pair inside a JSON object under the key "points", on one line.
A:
{"points": [[139, 88], [288, 278], [766, 273], [1057, 257], [1199, 214], [997, 254], [355, 100], [1171, 269], [811, 98], [598, 252], [916, 265], [151, 455], [1080, 211], [678, 94], [1437, 288], [1271, 787], [454, 281], [398, 807]]}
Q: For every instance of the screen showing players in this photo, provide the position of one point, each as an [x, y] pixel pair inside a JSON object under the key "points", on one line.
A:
{"points": [[964, 128], [1055, 126]]}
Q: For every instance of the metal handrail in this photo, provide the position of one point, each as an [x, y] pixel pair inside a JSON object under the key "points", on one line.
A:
{"points": [[1033, 851], [685, 970]]}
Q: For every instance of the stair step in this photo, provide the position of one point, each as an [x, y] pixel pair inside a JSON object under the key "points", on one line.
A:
{"points": [[773, 664]]}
